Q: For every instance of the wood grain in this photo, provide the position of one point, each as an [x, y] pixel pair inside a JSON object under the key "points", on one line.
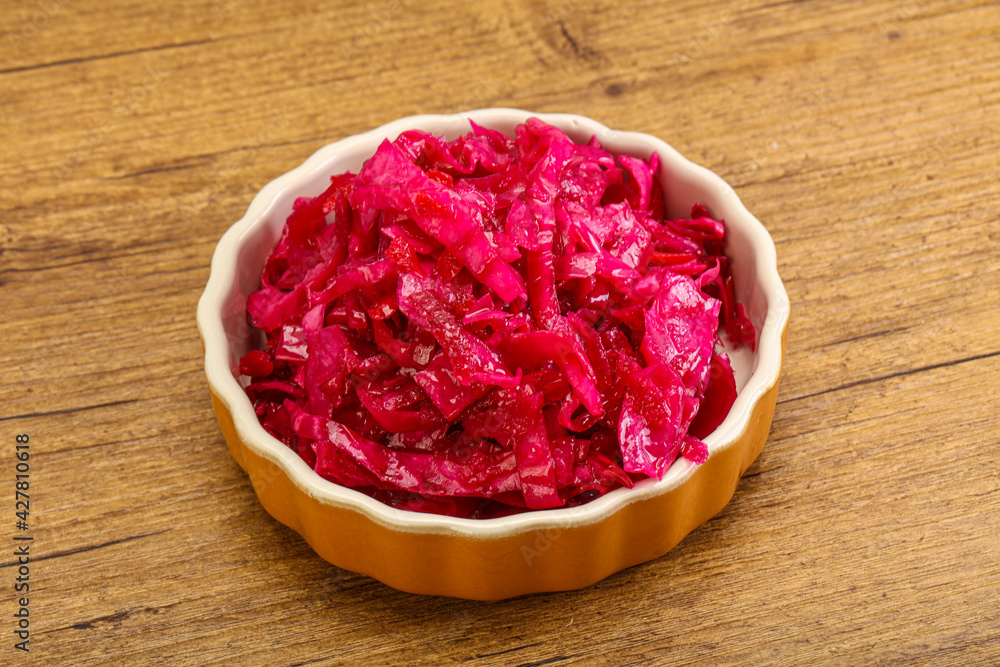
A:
{"points": [[863, 134]]}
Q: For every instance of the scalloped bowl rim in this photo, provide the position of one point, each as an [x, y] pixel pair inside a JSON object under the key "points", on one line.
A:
{"points": [[231, 393]]}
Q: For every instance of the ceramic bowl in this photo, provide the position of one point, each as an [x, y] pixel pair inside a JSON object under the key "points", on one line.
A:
{"points": [[549, 550]]}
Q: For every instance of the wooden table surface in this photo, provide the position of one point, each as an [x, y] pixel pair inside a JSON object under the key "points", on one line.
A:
{"points": [[864, 134]]}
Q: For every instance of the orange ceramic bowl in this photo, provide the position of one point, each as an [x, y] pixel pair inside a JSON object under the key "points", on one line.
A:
{"points": [[549, 550]]}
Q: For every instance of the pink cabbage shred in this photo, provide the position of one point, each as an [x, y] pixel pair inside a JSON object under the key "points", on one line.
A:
{"points": [[494, 324]]}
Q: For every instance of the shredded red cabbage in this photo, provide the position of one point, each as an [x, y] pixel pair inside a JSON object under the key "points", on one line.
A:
{"points": [[494, 324]]}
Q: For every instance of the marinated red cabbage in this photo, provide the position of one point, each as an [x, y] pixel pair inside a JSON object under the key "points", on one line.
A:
{"points": [[494, 324]]}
